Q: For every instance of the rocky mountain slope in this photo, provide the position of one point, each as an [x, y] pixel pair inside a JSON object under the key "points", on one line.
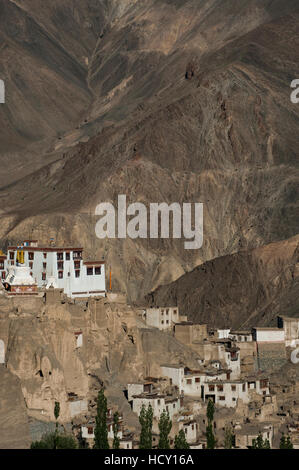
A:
{"points": [[112, 113], [242, 290]]}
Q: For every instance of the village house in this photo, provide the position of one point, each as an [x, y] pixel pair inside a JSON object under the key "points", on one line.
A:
{"points": [[246, 433], [268, 335], [63, 267], [159, 403], [88, 429], [241, 336], [290, 327], [163, 318]]}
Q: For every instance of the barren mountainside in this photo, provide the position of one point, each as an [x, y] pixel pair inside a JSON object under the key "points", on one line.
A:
{"points": [[98, 104]]}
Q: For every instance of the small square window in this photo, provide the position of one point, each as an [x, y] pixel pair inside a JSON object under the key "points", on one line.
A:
{"points": [[60, 274], [31, 256], [89, 271], [97, 270]]}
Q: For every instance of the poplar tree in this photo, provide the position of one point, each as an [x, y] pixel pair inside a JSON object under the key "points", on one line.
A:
{"points": [[285, 443], [165, 426], [146, 421], [180, 441], [260, 443], [211, 440], [115, 430], [101, 431], [56, 414]]}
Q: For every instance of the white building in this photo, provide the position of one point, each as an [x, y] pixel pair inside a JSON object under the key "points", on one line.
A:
{"points": [[158, 402], [175, 374], [241, 336], [163, 318], [268, 335], [64, 268], [227, 393]]}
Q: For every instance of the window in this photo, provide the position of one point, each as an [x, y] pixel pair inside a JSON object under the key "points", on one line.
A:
{"points": [[162, 322], [89, 271], [220, 388], [264, 383], [60, 256], [174, 312], [244, 387], [228, 375], [167, 321], [173, 406], [167, 408], [31, 256], [189, 381], [90, 430], [11, 255], [158, 402], [77, 273], [233, 388], [222, 398], [30, 265], [211, 388], [12, 263], [167, 311], [1, 265], [60, 274], [77, 264], [45, 255], [77, 255], [186, 430], [192, 427], [162, 312], [197, 379], [3, 274], [67, 256], [44, 265], [43, 276], [60, 265], [97, 270]]}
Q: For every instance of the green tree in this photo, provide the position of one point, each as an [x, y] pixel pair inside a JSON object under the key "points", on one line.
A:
{"points": [[55, 441], [180, 441], [56, 414], [210, 410], [115, 430], [211, 440], [165, 426], [260, 443], [285, 443], [101, 431], [228, 437], [146, 422]]}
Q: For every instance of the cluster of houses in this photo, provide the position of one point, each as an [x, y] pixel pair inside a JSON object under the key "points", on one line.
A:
{"points": [[228, 373], [229, 370]]}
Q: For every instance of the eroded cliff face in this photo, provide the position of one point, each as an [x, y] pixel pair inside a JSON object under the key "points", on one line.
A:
{"points": [[45, 365]]}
